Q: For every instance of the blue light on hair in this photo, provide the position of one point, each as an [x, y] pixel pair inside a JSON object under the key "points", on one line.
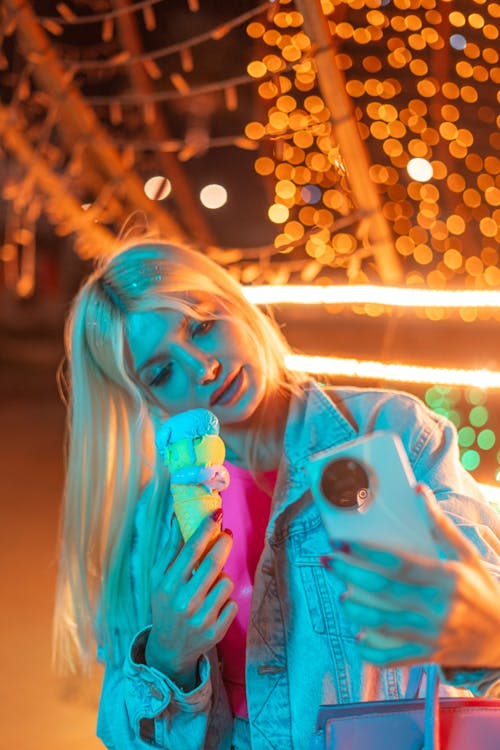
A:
{"points": [[112, 294]]}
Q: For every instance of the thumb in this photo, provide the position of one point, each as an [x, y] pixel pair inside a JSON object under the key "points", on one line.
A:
{"points": [[445, 533]]}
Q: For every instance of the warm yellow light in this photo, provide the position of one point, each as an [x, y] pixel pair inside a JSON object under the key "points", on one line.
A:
{"points": [[353, 294], [278, 213], [213, 196], [406, 132], [491, 494], [157, 188], [396, 373], [420, 169]]}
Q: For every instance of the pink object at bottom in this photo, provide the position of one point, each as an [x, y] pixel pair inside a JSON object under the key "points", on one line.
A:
{"points": [[246, 508]]}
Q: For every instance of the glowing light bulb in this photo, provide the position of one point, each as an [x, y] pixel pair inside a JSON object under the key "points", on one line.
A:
{"points": [[420, 169], [213, 196], [157, 188]]}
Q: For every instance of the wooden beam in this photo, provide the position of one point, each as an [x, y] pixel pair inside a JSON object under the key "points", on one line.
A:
{"points": [[182, 192], [63, 210], [79, 123], [354, 153]]}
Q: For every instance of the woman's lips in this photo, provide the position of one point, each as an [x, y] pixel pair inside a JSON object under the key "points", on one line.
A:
{"points": [[229, 389]]}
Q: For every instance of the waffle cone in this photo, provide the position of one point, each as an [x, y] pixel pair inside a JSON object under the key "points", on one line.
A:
{"points": [[191, 511]]}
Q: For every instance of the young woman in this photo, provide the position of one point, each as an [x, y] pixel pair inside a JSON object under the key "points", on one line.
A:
{"points": [[237, 643]]}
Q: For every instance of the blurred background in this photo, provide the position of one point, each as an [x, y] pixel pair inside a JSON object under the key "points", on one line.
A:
{"points": [[338, 157]]}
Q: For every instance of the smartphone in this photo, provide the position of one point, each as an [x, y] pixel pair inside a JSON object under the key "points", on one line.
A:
{"points": [[365, 492]]}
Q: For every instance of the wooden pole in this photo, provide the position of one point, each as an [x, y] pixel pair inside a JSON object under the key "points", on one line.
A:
{"points": [[182, 192], [78, 123], [64, 211], [352, 147]]}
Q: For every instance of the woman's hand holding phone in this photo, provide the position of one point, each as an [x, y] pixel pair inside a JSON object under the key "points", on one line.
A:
{"points": [[410, 608], [191, 605]]}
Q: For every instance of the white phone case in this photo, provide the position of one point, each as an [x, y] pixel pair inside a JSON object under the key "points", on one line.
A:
{"points": [[390, 515]]}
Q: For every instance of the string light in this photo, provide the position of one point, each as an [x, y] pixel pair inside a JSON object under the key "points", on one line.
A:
{"points": [[369, 294], [157, 188], [71, 19], [173, 146], [213, 196], [438, 176], [420, 169], [180, 47], [164, 96], [354, 368]]}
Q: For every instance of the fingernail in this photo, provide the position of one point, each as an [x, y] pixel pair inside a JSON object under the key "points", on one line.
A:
{"points": [[217, 515], [340, 546], [229, 532], [326, 562]]}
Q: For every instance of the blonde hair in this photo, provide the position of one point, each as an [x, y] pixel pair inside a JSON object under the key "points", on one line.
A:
{"points": [[110, 434]]}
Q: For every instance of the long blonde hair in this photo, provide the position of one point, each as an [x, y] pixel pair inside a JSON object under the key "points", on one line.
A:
{"points": [[110, 434]]}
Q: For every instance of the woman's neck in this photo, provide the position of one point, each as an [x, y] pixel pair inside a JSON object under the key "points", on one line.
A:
{"points": [[268, 425]]}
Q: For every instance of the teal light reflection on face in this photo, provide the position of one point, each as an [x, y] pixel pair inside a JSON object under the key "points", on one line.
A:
{"points": [[183, 361]]}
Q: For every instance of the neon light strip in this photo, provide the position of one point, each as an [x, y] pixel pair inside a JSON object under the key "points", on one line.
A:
{"points": [[355, 368], [368, 294], [402, 373], [491, 494]]}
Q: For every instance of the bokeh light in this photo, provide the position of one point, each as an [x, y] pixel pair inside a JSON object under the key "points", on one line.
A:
{"points": [[157, 188], [213, 196], [420, 169]]}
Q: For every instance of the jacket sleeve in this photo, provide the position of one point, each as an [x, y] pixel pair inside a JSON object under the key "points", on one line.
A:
{"points": [[436, 463], [142, 708]]}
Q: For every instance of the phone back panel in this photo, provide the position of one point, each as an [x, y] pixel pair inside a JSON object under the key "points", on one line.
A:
{"points": [[393, 515]]}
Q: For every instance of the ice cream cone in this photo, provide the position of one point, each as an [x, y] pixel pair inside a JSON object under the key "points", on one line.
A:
{"points": [[190, 458]]}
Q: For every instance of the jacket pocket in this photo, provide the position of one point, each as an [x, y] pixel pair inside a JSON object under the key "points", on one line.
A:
{"points": [[322, 589]]}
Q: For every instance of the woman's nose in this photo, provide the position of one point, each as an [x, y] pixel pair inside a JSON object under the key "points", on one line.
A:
{"points": [[208, 370], [202, 366]]}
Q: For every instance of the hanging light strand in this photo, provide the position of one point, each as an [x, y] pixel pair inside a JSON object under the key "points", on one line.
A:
{"points": [[215, 33], [71, 19]]}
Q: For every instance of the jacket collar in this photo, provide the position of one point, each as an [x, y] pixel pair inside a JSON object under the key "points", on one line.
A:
{"points": [[314, 424]]}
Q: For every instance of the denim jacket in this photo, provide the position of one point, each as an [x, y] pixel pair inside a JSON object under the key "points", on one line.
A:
{"points": [[301, 651]]}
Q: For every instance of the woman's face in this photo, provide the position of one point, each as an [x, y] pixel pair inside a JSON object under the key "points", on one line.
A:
{"points": [[185, 363]]}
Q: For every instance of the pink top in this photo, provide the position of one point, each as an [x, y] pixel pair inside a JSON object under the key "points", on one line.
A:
{"points": [[246, 508]]}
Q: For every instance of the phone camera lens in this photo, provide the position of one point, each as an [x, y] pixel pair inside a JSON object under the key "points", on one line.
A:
{"points": [[345, 483]]}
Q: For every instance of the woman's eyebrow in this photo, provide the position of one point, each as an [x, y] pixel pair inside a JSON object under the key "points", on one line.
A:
{"points": [[158, 356]]}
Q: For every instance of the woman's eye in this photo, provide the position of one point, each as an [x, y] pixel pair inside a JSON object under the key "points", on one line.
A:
{"points": [[200, 329], [161, 377]]}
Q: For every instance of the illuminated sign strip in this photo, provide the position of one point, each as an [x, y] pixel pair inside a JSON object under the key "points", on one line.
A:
{"points": [[369, 294], [402, 373], [355, 368], [491, 494]]}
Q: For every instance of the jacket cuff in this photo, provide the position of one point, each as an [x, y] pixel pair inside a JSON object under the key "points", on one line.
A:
{"points": [[481, 682], [148, 692]]}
